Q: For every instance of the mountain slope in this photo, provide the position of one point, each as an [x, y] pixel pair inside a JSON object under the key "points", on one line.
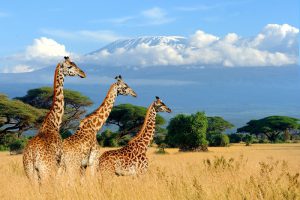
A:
{"points": [[177, 42]]}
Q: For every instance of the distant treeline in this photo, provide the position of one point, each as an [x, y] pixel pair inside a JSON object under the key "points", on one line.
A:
{"points": [[193, 132]]}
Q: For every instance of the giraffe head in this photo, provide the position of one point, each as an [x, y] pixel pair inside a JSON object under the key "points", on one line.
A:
{"points": [[160, 106], [123, 88], [69, 68]]}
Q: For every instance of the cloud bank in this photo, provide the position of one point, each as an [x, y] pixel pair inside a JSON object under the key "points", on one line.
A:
{"points": [[275, 45]]}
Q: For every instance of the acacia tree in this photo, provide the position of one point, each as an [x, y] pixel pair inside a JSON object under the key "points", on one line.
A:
{"points": [[215, 131], [75, 104], [270, 126], [17, 117], [130, 118], [188, 132], [218, 124]]}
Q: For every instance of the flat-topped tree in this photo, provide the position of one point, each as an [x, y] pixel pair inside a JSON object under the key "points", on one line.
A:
{"points": [[17, 117], [270, 126]]}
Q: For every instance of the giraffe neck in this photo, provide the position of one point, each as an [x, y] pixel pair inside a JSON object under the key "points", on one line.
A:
{"points": [[100, 115], [54, 117], [143, 139]]}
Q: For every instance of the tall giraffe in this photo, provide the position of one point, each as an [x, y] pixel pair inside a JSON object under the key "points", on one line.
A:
{"points": [[81, 149], [42, 154], [132, 159]]}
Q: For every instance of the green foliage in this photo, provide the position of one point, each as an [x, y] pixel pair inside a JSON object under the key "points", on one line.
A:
{"points": [[188, 132], [236, 137], [248, 139], [218, 139], [160, 136], [270, 126], [17, 146], [17, 117], [130, 118], [218, 124], [75, 104], [108, 139]]}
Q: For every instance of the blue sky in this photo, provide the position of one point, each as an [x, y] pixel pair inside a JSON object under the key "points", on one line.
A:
{"points": [[81, 27], [21, 22]]}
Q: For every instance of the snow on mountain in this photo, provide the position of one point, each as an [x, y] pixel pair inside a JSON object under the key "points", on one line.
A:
{"points": [[177, 42]]}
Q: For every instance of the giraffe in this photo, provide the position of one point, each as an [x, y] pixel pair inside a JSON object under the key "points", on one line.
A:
{"points": [[132, 159], [42, 154], [81, 149]]}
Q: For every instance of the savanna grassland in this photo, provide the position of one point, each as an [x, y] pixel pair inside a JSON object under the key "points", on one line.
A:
{"points": [[262, 171]]}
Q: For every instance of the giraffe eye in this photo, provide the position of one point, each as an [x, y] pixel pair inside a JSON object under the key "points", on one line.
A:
{"points": [[69, 67]]}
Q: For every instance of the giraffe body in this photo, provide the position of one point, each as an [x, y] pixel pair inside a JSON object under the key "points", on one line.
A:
{"points": [[81, 149], [42, 154], [131, 159]]}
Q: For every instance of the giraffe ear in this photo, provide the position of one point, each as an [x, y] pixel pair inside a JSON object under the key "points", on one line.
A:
{"points": [[120, 77], [157, 98]]}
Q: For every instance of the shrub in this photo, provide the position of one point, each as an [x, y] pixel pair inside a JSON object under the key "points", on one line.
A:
{"points": [[17, 146], [218, 140], [161, 149], [3, 148], [236, 137], [248, 139]]}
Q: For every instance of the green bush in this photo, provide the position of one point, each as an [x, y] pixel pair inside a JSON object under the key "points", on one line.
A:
{"points": [[3, 148], [218, 140], [17, 146], [248, 139], [236, 137]]}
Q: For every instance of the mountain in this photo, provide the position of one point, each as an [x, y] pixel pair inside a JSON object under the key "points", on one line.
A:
{"points": [[177, 42], [238, 94]]}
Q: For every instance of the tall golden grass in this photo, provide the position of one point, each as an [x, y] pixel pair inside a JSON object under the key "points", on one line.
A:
{"points": [[269, 171]]}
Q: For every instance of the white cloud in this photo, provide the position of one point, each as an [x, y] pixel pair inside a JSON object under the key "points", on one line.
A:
{"points": [[201, 39], [156, 16], [41, 53], [45, 48], [275, 45], [18, 69]]}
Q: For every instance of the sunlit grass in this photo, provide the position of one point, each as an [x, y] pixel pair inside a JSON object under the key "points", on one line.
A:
{"points": [[268, 171]]}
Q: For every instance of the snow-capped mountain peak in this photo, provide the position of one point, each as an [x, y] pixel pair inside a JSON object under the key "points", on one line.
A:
{"points": [[177, 42]]}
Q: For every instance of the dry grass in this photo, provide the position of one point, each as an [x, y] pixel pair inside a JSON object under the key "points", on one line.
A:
{"points": [[269, 171]]}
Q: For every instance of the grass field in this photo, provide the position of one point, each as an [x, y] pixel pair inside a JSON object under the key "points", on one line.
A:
{"points": [[267, 171]]}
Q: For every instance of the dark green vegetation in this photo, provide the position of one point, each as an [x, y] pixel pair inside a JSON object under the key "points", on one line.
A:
{"points": [[188, 132], [193, 132], [273, 128], [27, 113]]}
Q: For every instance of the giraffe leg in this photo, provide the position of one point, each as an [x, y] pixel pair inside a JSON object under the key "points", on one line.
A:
{"points": [[93, 160]]}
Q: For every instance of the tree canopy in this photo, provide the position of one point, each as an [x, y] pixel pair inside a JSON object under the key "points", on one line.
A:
{"points": [[130, 118], [75, 104], [218, 124], [270, 126], [17, 117], [188, 132]]}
